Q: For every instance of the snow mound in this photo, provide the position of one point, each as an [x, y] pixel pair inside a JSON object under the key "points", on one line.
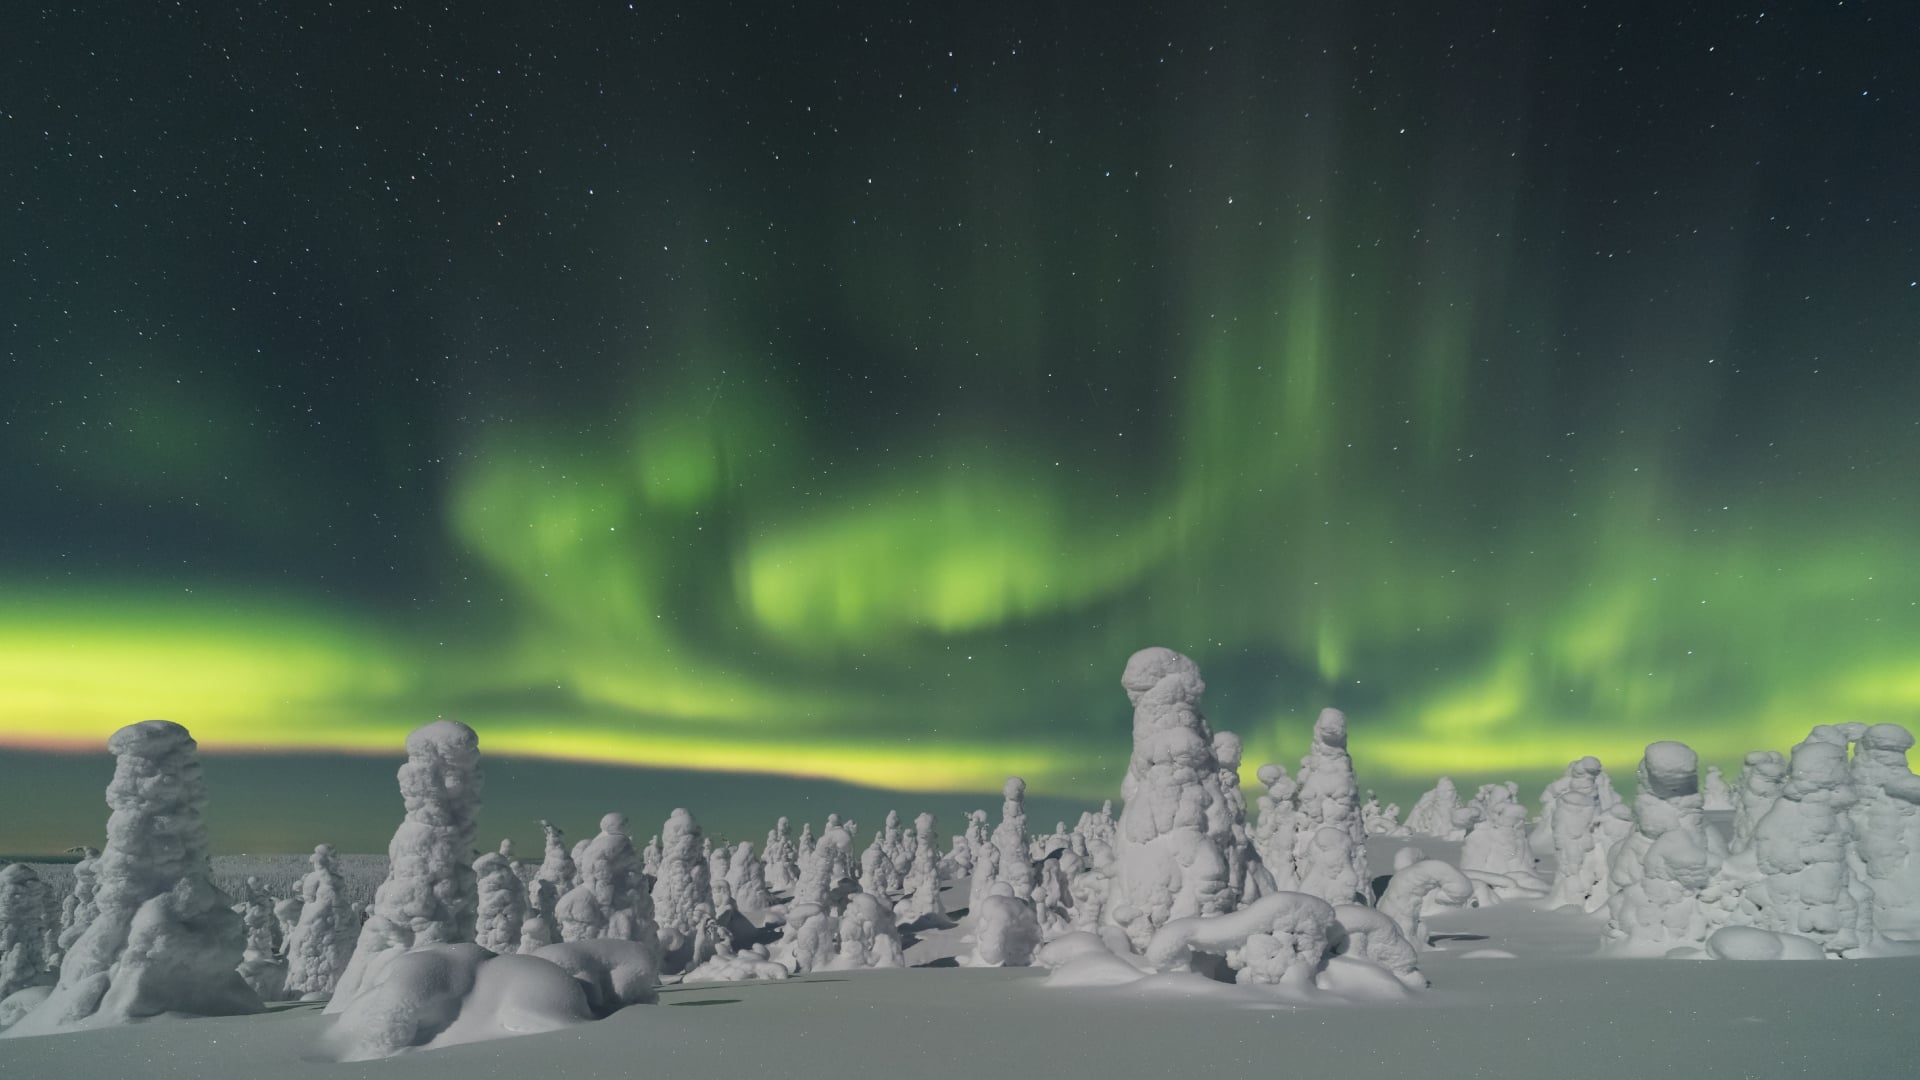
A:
{"points": [[447, 995], [1752, 943]]}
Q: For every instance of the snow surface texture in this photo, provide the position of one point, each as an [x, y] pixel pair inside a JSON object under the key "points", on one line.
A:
{"points": [[164, 939], [445, 995], [1173, 814], [429, 897]]}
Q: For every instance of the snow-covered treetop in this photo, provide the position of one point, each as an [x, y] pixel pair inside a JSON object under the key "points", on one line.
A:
{"points": [[1671, 770]]}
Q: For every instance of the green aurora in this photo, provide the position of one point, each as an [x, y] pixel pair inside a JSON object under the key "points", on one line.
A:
{"points": [[858, 427]]}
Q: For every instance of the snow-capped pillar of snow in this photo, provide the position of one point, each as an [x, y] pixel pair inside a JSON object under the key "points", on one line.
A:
{"points": [[321, 942], [1886, 827], [1168, 864], [1411, 888], [1667, 861], [1761, 779], [1331, 865], [503, 901], [23, 928], [1015, 862], [429, 896], [1276, 829], [684, 875], [1801, 850], [164, 938]]}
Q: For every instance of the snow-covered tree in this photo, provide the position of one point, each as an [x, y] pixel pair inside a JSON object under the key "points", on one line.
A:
{"points": [[1169, 865], [429, 896], [719, 869], [1717, 794], [164, 939], [1329, 797], [877, 872], [1497, 843], [260, 963], [1886, 827], [1013, 862], [557, 864], [1238, 844], [79, 907], [611, 900], [1662, 867], [922, 883], [1437, 813], [868, 937], [1414, 888], [1802, 852], [321, 943], [1006, 932], [1277, 829], [23, 929], [1761, 780], [783, 867], [503, 901], [748, 880], [1574, 814], [683, 882]]}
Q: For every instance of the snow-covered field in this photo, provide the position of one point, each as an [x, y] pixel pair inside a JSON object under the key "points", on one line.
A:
{"points": [[1550, 1009]]}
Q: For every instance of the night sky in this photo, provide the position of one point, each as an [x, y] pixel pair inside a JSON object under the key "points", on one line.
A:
{"points": [[842, 393]]}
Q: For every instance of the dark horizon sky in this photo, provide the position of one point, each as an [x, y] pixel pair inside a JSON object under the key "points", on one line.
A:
{"points": [[844, 392]]}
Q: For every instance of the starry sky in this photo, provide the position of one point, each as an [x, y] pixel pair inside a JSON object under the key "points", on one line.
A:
{"points": [[754, 402]]}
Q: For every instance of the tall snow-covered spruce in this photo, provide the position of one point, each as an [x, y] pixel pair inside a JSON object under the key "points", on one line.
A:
{"points": [[164, 939], [429, 896]]}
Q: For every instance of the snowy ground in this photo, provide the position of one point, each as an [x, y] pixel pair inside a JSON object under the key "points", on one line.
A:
{"points": [[1550, 1010]]}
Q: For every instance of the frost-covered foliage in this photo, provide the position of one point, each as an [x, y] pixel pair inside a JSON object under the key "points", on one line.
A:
{"points": [[23, 929], [1666, 862], [783, 868], [164, 939], [868, 938], [260, 963], [80, 906], [747, 879], [429, 897], [322, 941], [683, 882], [1886, 823], [1717, 794], [922, 883], [827, 870], [1761, 780], [1497, 843], [1277, 830], [445, 995], [1169, 864], [503, 901], [1438, 813], [1801, 850], [1013, 862], [1416, 888], [1006, 932], [1329, 798], [611, 900]]}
